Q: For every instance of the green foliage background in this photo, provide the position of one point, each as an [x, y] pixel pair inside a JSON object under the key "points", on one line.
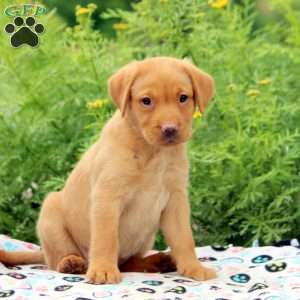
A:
{"points": [[245, 153]]}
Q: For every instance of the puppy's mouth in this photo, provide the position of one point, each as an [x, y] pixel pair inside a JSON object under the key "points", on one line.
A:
{"points": [[179, 138], [170, 141], [163, 141]]}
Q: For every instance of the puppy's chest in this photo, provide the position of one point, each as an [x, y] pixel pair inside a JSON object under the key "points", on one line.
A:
{"points": [[143, 206], [150, 193], [141, 217], [153, 180]]}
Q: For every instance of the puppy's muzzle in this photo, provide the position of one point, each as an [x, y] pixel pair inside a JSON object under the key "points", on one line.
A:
{"points": [[169, 131]]}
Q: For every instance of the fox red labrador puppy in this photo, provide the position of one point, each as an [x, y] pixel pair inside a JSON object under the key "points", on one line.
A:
{"points": [[131, 182]]}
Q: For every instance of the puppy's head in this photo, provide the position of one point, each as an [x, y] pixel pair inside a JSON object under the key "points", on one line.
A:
{"points": [[160, 96]]}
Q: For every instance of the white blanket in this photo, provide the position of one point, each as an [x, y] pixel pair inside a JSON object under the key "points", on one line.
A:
{"points": [[258, 273]]}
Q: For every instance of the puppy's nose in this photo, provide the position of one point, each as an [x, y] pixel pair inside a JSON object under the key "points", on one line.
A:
{"points": [[169, 130]]}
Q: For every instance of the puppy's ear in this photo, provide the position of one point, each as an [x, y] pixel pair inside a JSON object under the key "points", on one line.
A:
{"points": [[119, 86], [203, 85]]}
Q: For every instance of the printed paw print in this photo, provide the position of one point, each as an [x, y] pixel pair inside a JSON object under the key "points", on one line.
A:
{"points": [[6, 294], [220, 248], [16, 275], [13, 268], [73, 278], [276, 266], [153, 282], [240, 278], [24, 33], [177, 290], [207, 258], [42, 267], [146, 290], [261, 259], [257, 286], [62, 288]]}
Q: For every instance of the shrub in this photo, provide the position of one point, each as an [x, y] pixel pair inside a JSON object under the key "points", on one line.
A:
{"points": [[245, 152]]}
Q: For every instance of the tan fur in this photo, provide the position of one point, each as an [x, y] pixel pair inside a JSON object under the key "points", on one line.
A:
{"points": [[132, 181]]}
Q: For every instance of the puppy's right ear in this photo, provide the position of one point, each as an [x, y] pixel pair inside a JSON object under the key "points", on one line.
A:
{"points": [[119, 86]]}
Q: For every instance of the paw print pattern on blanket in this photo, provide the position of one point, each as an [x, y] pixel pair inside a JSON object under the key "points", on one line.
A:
{"points": [[207, 259], [177, 290], [153, 282], [258, 273], [240, 278], [16, 275], [257, 286], [260, 259], [6, 294], [62, 288], [276, 267], [73, 278], [219, 248]]}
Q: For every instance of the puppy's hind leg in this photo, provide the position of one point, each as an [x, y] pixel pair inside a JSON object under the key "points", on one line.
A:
{"points": [[61, 252], [160, 262]]}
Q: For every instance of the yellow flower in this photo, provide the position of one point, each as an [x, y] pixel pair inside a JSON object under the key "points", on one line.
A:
{"points": [[92, 6], [264, 81], [82, 11], [218, 3], [98, 103], [253, 92], [163, 34], [231, 87], [120, 26], [197, 115]]}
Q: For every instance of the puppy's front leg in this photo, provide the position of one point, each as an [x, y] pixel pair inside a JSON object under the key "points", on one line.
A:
{"points": [[175, 225], [104, 248]]}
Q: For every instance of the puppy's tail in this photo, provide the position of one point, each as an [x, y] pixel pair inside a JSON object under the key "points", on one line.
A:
{"points": [[21, 257]]}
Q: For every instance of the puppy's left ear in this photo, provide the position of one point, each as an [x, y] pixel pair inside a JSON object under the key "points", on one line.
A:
{"points": [[119, 86], [203, 85]]}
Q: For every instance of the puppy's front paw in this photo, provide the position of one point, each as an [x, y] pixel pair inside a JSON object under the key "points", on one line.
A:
{"points": [[196, 271], [104, 274]]}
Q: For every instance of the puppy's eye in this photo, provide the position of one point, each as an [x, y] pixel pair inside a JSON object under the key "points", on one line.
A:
{"points": [[183, 98], [146, 101]]}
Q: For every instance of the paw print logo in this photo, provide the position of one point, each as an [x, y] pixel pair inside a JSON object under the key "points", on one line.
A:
{"points": [[240, 278], [261, 259], [276, 266], [24, 32]]}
